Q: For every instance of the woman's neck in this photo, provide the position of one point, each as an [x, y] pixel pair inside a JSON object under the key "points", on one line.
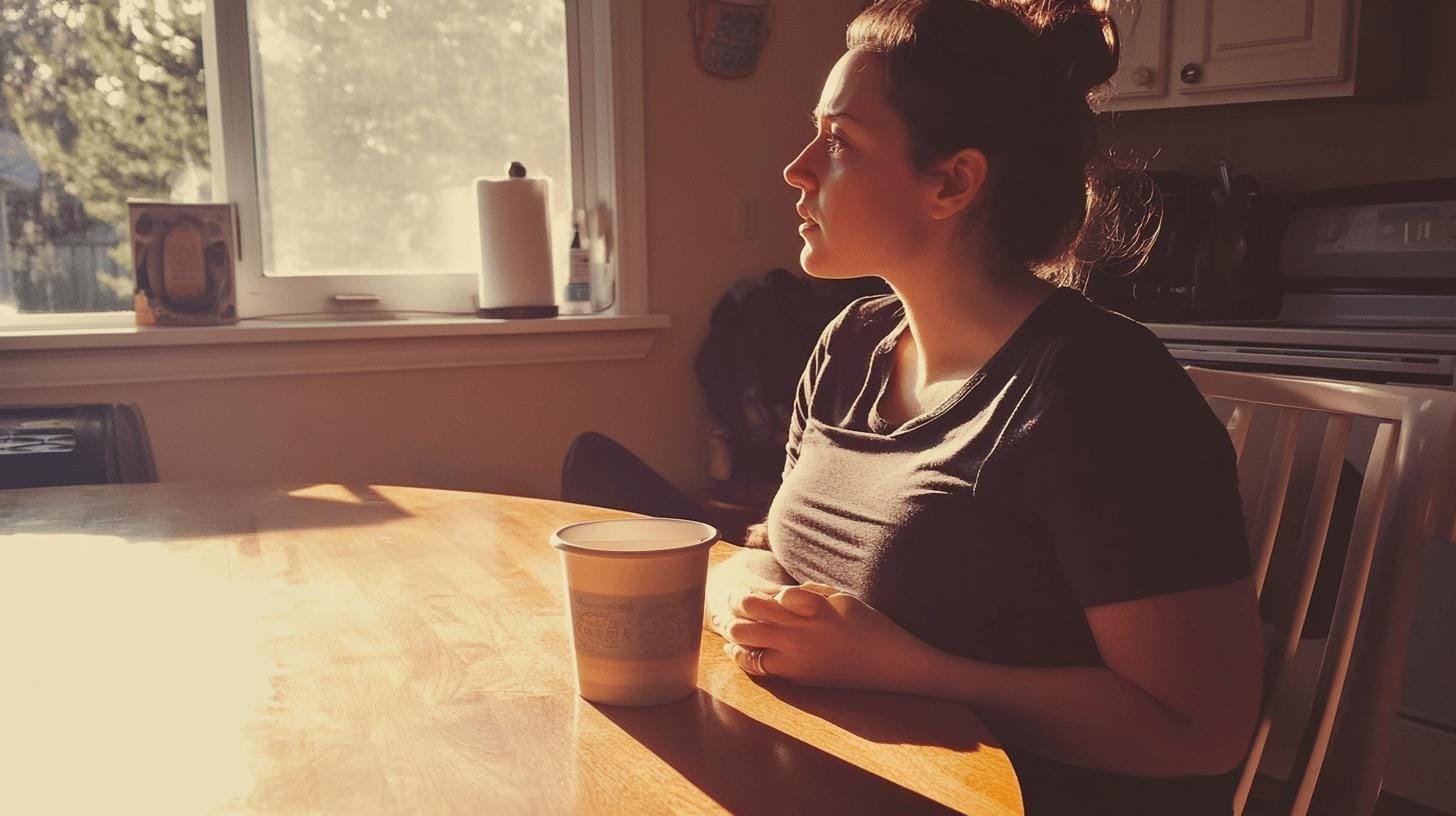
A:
{"points": [[958, 319]]}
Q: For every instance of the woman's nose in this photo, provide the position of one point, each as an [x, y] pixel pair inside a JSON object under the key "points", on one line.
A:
{"points": [[797, 174]]}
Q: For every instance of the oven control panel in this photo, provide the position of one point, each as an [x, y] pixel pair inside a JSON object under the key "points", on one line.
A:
{"points": [[1414, 240]]}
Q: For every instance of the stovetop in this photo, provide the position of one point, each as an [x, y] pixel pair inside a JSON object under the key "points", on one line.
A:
{"points": [[1423, 339], [1324, 320]]}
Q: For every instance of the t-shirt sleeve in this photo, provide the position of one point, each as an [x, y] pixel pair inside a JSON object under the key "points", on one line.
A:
{"points": [[1134, 480], [804, 392]]}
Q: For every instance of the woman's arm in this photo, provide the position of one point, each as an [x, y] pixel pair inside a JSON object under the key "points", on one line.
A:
{"points": [[1178, 696]]}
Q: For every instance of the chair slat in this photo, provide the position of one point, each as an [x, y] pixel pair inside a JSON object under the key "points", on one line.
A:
{"points": [[1238, 426], [1263, 526], [1311, 546], [1354, 581]]}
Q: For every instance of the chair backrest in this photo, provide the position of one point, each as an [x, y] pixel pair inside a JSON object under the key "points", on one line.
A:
{"points": [[1405, 501], [598, 471], [50, 445]]}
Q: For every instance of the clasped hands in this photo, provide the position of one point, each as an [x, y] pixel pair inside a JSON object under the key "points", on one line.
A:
{"points": [[817, 635]]}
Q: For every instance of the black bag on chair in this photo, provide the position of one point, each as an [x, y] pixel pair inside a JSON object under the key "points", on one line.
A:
{"points": [[53, 445], [760, 336]]}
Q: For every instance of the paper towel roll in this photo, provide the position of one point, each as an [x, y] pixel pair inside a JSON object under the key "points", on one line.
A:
{"points": [[515, 248]]}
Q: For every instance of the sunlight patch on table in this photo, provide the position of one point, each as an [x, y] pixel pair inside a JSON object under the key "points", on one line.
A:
{"points": [[158, 723]]}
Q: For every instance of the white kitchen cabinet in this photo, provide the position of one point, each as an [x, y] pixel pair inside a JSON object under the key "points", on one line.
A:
{"points": [[1142, 26], [1191, 53]]}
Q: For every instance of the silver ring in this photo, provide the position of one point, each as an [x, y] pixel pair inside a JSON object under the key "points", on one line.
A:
{"points": [[755, 661]]}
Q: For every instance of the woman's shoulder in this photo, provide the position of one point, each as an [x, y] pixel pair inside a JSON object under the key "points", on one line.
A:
{"points": [[1098, 367], [872, 310], [1106, 330], [1094, 347], [864, 322]]}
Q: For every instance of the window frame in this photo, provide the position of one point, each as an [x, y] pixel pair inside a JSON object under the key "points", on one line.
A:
{"points": [[604, 56]]}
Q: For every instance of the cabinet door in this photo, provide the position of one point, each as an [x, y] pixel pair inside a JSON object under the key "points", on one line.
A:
{"points": [[1142, 30], [1222, 45]]}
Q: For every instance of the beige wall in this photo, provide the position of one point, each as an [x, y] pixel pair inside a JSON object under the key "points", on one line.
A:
{"points": [[1314, 144], [505, 428]]}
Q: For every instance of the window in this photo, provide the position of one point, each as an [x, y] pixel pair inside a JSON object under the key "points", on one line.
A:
{"points": [[369, 113], [341, 129]]}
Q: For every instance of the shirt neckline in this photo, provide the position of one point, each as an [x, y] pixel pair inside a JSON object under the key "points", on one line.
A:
{"points": [[879, 367]]}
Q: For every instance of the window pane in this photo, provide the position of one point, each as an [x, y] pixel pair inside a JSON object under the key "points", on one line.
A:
{"points": [[371, 115], [104, 100]]}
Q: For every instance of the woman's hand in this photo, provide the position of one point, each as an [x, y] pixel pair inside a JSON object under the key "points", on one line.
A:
{"points": [[756, 536], [817, 635], [745, 571]]}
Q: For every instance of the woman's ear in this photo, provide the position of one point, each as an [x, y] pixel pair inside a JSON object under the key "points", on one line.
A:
{"points": [[958, 183]]}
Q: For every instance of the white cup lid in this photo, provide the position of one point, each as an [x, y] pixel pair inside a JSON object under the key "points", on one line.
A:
{"points": [[633, 536]]}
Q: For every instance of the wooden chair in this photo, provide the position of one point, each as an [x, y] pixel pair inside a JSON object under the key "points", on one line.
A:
{"points": [[1406, 500]]}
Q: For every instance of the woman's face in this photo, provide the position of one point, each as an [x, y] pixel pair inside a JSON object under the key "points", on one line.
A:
{"points": [[860, 198]]}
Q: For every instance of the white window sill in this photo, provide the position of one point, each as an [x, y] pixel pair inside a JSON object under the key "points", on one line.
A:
{"points": [[36, 357]]}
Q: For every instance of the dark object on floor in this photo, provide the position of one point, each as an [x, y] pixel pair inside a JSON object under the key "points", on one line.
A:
{"points": [[52, 445]]}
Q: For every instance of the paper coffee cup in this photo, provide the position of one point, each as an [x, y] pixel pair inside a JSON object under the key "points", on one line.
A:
{"points": [[634, 594]]}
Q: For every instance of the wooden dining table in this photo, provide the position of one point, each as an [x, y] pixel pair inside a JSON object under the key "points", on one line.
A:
{"points": [[196, 648]]}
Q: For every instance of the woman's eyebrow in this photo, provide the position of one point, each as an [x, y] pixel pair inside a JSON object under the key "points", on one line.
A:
{"points": [[816, 117]]}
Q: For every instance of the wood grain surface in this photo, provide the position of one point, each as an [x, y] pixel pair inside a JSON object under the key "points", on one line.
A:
{"points": [[173, 648]]}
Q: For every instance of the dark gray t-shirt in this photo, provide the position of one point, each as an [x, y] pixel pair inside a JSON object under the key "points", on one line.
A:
{"points": [[1079, 467]]}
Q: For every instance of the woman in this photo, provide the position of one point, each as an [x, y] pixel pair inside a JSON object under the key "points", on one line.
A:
{"points": [[994, 491]]}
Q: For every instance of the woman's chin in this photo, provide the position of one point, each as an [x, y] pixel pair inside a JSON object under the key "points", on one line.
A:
{"points": [[813, 267], [816, 265]]}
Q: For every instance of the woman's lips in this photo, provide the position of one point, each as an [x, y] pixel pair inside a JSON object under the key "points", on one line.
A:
{"points": [[807, 226]]}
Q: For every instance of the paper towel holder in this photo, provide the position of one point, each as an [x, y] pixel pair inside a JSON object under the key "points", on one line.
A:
{"points": [[515, 170]]}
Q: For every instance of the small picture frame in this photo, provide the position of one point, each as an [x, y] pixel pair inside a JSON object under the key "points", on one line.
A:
{"points": [[184, 256], [729, 35]]}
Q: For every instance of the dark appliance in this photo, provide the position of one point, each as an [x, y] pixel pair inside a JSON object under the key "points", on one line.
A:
{"points": [[1214, 257]]}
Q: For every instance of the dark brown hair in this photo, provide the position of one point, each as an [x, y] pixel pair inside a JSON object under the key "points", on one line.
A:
{"points": [[1013, 79]]}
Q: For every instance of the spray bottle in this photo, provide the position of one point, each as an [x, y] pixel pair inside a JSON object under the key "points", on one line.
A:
{"points": [[579, 269]]}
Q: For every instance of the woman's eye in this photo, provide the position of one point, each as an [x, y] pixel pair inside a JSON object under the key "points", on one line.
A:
{"points": [[833, 143]]}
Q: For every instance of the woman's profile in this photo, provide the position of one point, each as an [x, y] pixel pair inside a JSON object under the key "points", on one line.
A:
{"points": [[995, 491]]}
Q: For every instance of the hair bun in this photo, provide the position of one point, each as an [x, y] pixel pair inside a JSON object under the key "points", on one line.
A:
{"points": [[1080, 52]]}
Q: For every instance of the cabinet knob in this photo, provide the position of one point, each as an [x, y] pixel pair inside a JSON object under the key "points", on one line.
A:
{"points": [[1142, 76], [1191, 73]]}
